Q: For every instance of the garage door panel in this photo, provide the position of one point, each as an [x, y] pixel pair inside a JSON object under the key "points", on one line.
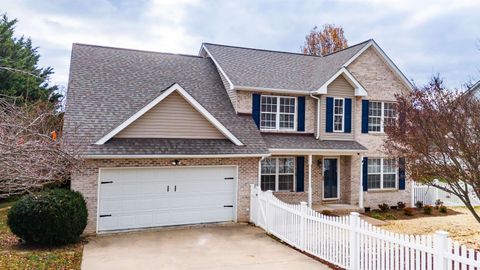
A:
{"points": [[149, 197]]}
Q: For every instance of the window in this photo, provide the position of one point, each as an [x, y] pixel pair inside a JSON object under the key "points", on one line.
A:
{"points": [[278, 174], [338, 112], [382, 173], [277, 113], [380, 114]]}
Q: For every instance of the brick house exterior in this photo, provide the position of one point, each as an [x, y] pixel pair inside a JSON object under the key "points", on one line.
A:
{"points": [[110, 88]]}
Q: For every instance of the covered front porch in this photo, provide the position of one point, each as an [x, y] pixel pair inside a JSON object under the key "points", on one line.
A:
{"points": [[327, 174]]}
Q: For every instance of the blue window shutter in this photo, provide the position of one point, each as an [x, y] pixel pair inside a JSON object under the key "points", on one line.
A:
{"points": [[348, 115], [300, 173], [256, 109], [364, 116], [401, 173], [365, 174], [301, 114], [329, 115]]}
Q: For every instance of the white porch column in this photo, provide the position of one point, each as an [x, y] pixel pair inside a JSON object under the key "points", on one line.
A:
{"points": [[310, 180], [360, 198]]}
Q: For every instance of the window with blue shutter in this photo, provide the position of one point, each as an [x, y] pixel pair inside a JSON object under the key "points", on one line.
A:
{"points": [[301, 114], [256, 109], [329, 115], [364, 116], [365, 173], [401, 173], [300, 173], [348, 115]]}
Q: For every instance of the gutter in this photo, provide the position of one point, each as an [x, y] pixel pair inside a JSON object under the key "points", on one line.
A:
{"points": [[173, 156]]}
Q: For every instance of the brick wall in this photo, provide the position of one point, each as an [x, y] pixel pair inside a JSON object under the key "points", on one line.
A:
{"points": [[382, 85], [86, 179]]}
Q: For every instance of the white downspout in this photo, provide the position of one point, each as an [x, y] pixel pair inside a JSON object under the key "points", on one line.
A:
{"points": [[310, 181], [318, 115], [360, 198]]}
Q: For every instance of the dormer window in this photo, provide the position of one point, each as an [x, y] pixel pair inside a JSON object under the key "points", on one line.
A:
{"points": [[277, 113]]}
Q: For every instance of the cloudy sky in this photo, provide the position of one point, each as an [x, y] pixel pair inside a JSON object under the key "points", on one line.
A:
{"points": [[422, 37]]}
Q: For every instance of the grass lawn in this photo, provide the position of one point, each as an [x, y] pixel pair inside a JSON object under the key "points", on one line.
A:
{"points": [[15, 255], [459, 223]]}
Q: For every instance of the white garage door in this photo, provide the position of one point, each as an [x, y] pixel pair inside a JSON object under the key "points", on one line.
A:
{"points": [[131, 198]]}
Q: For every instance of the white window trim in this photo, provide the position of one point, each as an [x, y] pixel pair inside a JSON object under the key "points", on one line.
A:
{"points": [[277, 119], [343, 115], [382, 116], [381, 174], [277, 174], [338, 178]]}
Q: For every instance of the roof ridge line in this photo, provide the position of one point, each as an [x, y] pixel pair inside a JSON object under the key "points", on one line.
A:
{"points": [[276, 51], [134, 50], [349, 47]]}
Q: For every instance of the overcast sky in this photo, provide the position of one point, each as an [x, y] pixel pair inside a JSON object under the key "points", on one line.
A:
{"points": [[421, 37]]}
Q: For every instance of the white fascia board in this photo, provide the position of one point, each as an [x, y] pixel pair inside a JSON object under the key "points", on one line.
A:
{"points": [[386, 59], [359, 90], [273, 90], [166, 93], [277, 151], [219, 67], [173, 156]]}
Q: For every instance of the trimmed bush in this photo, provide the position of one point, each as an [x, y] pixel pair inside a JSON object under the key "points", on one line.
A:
{"points": [[419, 204], [401, 205], [50, 217], [427, 209], [383, 207], [443, 209]]}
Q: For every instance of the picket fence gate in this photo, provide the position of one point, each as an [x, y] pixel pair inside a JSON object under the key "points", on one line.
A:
{"points": [[429, 195], [351, 243]]}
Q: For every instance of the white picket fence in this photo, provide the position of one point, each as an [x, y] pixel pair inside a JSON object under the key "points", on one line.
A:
{"points": [[429, 195], [352, 243]]}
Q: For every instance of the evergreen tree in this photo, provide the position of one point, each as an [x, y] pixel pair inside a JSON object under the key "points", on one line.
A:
{"points": [[20, 75]]}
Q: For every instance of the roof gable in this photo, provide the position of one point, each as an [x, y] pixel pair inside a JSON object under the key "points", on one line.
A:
{"points": [[273, 71], [173, 117], [177, 89], [359, 90]]}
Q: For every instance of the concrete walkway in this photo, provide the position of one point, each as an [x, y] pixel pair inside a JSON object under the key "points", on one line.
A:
{"points": [[228, 246]]}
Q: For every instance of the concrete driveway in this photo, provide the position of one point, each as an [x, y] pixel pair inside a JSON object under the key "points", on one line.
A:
{"points": [[227, 246]]}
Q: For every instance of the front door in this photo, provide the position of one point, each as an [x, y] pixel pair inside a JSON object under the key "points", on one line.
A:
{"points": [[330, 178]]}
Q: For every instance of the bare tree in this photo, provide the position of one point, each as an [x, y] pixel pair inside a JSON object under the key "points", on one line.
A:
{"points": [[438, 133], [327, 40], [32, 154]]}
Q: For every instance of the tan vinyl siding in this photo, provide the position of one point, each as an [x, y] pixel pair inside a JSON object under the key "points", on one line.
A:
{"points": [[173, 117], [341, 88]]}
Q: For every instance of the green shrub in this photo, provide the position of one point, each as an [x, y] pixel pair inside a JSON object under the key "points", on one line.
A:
{"points": [[408, 211], [51, 217], [419, 204], [390, 216], [383, 207], [378, 216], [443, 209], [401, 205], [427, 209]]}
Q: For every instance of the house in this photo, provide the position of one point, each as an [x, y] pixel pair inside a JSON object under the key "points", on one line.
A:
{"points": [[475, 90], [174, 139]]}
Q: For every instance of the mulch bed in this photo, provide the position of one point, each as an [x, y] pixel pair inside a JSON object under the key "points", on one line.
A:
{"points": [[417, 213]]}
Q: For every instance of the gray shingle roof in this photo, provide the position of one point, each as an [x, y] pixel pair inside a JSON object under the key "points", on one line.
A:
{"points": [[307, 141], [108, 85], [280, 70]]}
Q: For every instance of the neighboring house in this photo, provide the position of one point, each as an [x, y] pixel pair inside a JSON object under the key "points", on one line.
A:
{"points": [[475, 90], [178, 139]]}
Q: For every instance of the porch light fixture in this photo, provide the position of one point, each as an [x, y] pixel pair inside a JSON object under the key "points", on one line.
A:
{"points": [[176, 162]]}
